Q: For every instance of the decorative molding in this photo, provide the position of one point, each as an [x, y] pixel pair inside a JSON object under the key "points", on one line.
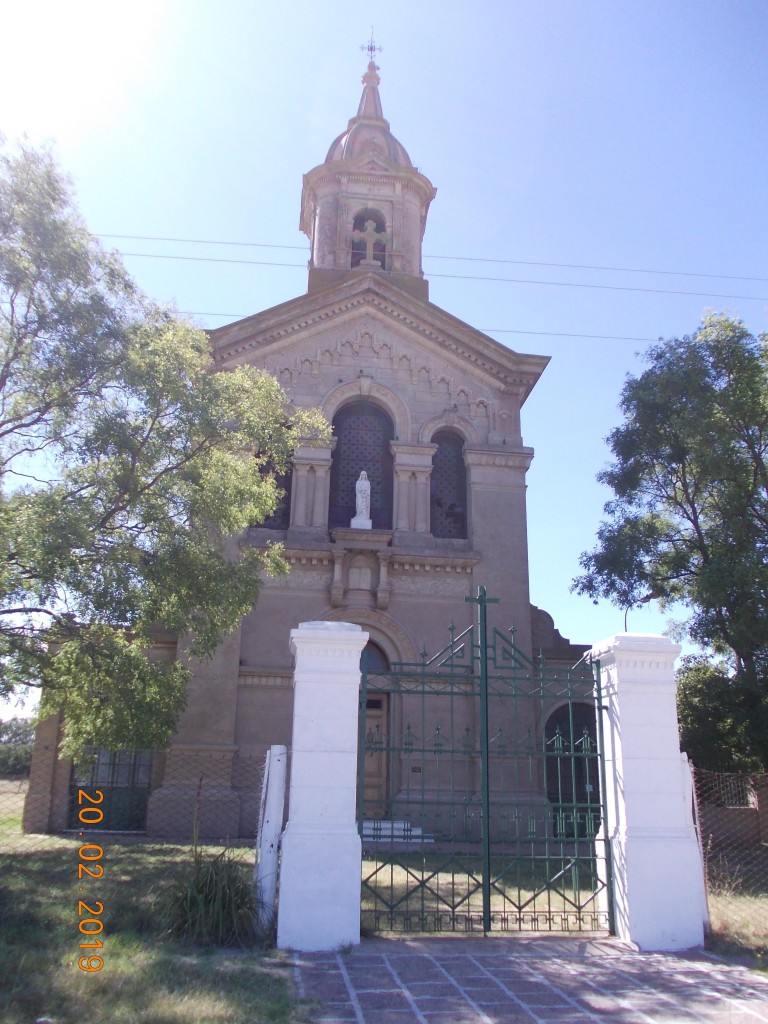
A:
{"points": [[248, 680], [450, 566], [452, 420], [365, 387], [315, 648], [513, 459], [311, 560], [642, 658], [387, 632], [369, 299]]}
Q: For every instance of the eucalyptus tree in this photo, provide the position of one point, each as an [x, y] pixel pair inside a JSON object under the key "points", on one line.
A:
{"points": [[126, 468]]}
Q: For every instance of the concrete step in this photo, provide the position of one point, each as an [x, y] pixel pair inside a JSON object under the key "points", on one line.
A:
{"points": [[384, 831]]}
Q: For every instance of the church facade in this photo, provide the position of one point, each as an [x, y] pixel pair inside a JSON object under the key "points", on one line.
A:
{"points": [[424, 406]]}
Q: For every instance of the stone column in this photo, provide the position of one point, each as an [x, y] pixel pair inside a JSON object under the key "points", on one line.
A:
{"points": [[311, 476], [411, 458], [319, 899], [658, 877], [384, 589], [47, 801], [320, 504], [337, 585], [299, 494]]}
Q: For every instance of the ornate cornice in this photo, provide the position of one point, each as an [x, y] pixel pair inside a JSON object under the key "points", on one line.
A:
{"points": [[369, 299], [443, 564], [520, 459]]}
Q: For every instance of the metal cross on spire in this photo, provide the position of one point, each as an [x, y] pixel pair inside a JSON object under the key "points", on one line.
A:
{"points": [[371, 47]]}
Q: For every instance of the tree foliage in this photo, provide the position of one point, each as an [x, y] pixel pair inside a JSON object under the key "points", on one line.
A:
{"points": [[723, 720], [17, 737], [126, 467], [689, 521]]}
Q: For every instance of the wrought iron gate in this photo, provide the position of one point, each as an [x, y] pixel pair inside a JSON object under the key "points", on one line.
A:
{"points": [[479, 792]]}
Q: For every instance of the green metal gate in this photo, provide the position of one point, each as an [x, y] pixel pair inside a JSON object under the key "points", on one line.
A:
{"points": [[479, 793]]}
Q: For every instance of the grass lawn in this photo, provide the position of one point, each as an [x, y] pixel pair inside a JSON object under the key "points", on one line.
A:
{"points": [[145, 978]]}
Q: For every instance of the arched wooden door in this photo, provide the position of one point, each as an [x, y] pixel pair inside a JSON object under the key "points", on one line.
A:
{"points": [[374, 736]]}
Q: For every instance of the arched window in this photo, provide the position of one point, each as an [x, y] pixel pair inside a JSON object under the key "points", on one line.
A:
{"points": [[369, 238], [363, 433], [448, 487], [572, 766], [376, 659]]}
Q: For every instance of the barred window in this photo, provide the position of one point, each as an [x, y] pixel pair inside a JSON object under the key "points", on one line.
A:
{"points": [[124, 777], [448, 487], [363, 432]]}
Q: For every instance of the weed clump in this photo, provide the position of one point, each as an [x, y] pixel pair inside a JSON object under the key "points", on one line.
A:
{"points": [[213, 904]]}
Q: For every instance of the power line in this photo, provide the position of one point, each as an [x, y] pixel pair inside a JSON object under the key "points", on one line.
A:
{"points": [[213, 259], [483, 330], [203, 241], [463, 259], [466, 277], [603, 287], [589, 266]]}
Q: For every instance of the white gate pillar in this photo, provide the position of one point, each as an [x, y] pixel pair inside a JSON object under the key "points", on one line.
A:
{"points": [[319, 898], [658, 879]]}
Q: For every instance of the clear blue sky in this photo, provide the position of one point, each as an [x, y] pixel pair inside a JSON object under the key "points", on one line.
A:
{"points": [[618, 134]]}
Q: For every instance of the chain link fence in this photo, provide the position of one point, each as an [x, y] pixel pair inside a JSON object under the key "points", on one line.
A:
{"points": [[120, 830], [732, 814]]}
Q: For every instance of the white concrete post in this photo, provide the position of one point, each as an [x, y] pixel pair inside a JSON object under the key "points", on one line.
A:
{"points": [[319, 898], [658, 878], [268, 839]]}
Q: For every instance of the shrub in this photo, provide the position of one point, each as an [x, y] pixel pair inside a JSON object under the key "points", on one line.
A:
{"points": [[15, 759], [214, 904], [17, 738]]}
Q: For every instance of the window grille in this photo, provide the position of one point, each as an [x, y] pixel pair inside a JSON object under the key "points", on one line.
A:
{"points": [[124, 777], [363, 433], [448, 487]]}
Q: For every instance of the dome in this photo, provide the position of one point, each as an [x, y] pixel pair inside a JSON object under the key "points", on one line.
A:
{"points": [[369, 132]]}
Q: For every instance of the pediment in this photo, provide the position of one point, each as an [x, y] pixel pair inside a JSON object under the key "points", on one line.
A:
{"points": [[299, 326]]}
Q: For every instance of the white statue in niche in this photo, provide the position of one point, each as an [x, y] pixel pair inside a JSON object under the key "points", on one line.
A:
{"points": [[362, 520]]}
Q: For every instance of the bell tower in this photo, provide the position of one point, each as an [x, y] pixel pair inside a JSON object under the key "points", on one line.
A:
{"points": [[365, 208]]}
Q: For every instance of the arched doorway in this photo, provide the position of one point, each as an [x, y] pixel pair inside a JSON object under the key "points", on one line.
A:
{"points": [[572, 770], [374, 736]]}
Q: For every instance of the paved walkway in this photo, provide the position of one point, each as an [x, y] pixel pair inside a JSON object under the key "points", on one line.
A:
{"points": [[510, 981]]}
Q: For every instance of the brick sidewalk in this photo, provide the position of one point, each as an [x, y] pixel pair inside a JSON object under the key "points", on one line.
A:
{"points": [[537, 981]]}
